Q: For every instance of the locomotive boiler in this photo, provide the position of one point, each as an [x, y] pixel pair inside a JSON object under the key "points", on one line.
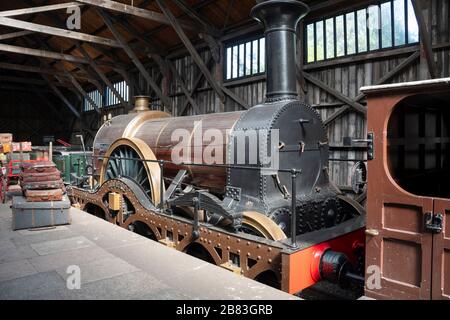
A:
{"points": [[286, 225]]}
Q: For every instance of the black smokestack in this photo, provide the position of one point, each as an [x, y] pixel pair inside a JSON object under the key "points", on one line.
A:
{"points": [[280, 19]]}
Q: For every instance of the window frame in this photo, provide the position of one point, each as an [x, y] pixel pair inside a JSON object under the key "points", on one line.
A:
{"points": [[355, 10], [104, 97], [238, 43]]}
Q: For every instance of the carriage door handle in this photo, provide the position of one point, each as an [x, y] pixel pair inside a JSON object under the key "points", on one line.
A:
{"points": [[372, 232], [433, 222]]}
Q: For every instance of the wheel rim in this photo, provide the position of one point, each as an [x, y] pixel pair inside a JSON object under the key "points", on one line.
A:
{"points": [[134, 170], [146, 174], [260, 225]]}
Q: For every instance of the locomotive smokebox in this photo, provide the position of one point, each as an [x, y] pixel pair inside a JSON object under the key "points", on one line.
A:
{"points": [[280, 19]]}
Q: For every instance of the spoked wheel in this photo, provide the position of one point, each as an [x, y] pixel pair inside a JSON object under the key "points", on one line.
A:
{"points": [[121, 165], [125, 158], [260, 225]]}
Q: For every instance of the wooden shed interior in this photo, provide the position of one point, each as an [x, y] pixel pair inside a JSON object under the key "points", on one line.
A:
{"points": [[61, 79]]}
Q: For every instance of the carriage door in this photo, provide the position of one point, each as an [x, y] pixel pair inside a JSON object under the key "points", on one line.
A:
{"points": [[441, 250], [408, 200]]}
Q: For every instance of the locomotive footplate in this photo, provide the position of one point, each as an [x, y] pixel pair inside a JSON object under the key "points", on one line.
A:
{"points": [[275, 263]]}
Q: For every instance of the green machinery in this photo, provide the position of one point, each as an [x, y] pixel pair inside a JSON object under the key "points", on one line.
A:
{"points": [[72, 164]]}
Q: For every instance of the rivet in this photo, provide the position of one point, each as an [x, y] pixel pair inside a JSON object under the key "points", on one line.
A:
{"points": [[259, 258], [270, 249], [270, 260], [248, 254], [209, 241], [258, 246], [228, 237], [238, 240], [228, 248]]}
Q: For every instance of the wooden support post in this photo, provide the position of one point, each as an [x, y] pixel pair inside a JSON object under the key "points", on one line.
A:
{"points": [[62, 97], [193, 52], [210, 29], [13, 35], [355, 105], [183, 87], [83, 93], [405, 63], [37, 9], [41, 53], [426, 46], [103, 77], [32, 69], [195, 86], [9, 22], [134, 11], [166, 101]]}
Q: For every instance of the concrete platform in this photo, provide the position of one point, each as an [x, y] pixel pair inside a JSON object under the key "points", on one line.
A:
{"points": [[114, 264]]}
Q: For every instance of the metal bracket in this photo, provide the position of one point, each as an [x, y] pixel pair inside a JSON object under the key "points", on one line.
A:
{"points": [[348, 141], [433, 222], [181, 175], [233, 193]]}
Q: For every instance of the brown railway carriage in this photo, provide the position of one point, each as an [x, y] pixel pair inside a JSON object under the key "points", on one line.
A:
{"points": [[408, 205]]}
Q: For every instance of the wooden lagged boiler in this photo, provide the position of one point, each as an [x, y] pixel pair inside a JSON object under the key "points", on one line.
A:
{"points": [[289, 227]]}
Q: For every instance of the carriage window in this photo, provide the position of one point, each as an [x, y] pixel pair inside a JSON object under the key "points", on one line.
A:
{"points": [[418, 141], [385, 24]]}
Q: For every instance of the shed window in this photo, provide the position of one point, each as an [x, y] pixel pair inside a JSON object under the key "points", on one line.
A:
{"points": [[245, 59], [386, 24], [97, 97], [122, 88]]}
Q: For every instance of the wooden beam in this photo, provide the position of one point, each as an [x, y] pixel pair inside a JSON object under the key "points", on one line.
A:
{"points": [[62, 97], [14, 23], [41, 53], [197, 17], [32, 69], [83, 93], [165, 100], [13, 35], [183, 86], [425, 39], [197, 82], [194, 54], [28, 81], [236, 98], [134, 11], [33, 10], [355, 105], [103, 77], [382, 80]]}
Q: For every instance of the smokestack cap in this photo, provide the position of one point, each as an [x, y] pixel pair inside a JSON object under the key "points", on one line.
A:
{"points": [[278, 15]]}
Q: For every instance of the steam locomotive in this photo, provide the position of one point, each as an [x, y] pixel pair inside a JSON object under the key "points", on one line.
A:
{"points": [[287, 226]]}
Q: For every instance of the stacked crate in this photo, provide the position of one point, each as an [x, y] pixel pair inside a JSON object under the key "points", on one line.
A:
{"points": [[41, 181]]}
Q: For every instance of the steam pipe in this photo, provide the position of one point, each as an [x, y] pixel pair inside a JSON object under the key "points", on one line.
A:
{"points": [[279, 19]]}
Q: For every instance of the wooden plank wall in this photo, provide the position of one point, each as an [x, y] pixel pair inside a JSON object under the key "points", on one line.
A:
{"points": [[346, 79]]}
